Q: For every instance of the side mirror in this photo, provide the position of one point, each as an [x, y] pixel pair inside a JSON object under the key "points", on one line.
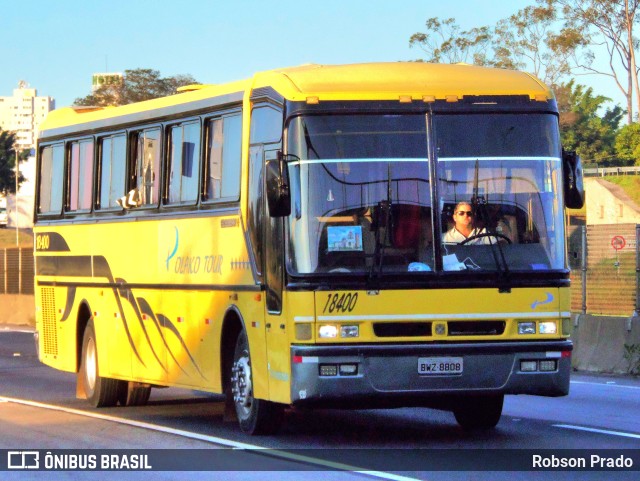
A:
{"points": [[278, 193], [573, 183]]}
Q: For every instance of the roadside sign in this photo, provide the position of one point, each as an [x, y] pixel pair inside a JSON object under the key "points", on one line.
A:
{"points": [[618, 242]]}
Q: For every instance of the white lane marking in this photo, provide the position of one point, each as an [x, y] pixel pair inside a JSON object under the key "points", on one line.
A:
{"points": [[608, 384], [451, 316], [599, 431], [214, 440]]}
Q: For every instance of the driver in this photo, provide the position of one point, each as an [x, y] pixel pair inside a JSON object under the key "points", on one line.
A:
{"points": [[463, 227]]}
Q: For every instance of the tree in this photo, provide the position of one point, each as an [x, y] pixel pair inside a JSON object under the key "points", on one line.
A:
{"points": [[528, 40], [628, 144], [610, 24], [137, 85], [582, 129], [8, 163], [444, 42]]}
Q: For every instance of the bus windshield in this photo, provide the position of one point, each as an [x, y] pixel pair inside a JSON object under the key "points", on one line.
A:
{"points": [[500, 192], [355, 177], [362, 193]]}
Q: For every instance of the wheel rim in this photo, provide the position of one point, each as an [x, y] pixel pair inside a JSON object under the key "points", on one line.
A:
{"points": [[90, 364], [241, 387]]}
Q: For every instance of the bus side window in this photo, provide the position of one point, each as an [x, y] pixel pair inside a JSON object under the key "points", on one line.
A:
{"points": [[80, 175], [51, 179], [112, 165], [146, 163], [184, 157], [223, 158]]}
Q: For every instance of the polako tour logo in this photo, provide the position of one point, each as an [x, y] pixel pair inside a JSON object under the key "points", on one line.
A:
{"points": [[175, 248]]}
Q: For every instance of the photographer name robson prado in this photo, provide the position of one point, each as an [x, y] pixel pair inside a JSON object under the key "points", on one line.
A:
{"points": [[593, 461]]}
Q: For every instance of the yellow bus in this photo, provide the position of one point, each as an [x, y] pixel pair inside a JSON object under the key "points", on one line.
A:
{"points": [[283, 240]]}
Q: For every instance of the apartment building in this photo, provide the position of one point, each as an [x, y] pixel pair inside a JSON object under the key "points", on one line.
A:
{"points": [[22, 113]]}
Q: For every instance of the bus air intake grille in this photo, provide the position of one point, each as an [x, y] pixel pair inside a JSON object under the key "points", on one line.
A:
{"points": [[477, 328], [49, 331], [402, 329]]}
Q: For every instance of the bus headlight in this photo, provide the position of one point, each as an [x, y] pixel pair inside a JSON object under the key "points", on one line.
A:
{"points": [[548, 328], [349, 331], [526, 328], [326, 332]]}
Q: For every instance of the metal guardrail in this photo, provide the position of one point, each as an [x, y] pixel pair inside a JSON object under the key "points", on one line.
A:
{"points": [[602, 171]]}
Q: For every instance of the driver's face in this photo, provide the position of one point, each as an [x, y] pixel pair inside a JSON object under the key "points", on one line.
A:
{"points": [[463, 215]]}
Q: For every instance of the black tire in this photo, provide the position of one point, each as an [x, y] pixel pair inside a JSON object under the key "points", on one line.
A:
{"points": [[132, 394], [255, 416], [479, 413], [100, 391]]}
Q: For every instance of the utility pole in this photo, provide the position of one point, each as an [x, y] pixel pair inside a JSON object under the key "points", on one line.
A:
{"points": [[17, 151]]}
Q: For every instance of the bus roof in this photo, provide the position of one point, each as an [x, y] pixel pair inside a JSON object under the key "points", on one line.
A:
{"points": [[388, 81], [367, 81]]}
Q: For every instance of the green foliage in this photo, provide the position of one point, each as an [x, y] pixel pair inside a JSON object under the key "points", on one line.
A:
{"points": [[551, 39], [528, 40], [582, 128], [632, 356], [629, 183], [628, 144], [8, 163], [609, 24], [137, 85], [443, 41]]}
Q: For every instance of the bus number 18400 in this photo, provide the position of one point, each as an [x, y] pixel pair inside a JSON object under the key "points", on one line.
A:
{"points": [[345, 302]]}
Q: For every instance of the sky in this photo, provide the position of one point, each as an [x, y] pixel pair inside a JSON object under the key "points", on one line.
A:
{"points": [[56, 45]]}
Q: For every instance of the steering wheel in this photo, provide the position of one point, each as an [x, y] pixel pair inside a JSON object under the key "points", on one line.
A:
{"points": [[339, 269], [485, 234]]}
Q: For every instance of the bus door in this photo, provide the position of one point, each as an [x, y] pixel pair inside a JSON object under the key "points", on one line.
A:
{"points": [[276, 326]]}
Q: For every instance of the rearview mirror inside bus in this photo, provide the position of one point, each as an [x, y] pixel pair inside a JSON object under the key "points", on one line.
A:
{"points": [[573, 183], [278, 196]]}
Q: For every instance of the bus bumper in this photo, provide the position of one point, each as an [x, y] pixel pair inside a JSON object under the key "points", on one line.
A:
{"points": [[389, 374]]}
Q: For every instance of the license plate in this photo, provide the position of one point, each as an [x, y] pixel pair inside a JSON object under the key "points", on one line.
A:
{"points": [[440, 365]]}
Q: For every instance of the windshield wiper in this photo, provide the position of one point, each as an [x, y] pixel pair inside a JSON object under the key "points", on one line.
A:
{"points": [[383, 218], [480, 205]]}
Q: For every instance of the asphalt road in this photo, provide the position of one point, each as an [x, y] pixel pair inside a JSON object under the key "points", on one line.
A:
{"points": [[40, 411]]}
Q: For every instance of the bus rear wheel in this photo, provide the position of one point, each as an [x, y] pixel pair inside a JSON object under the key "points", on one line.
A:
{"points": [[479, 413], [133, 394], [100, 391], [255, 416]]}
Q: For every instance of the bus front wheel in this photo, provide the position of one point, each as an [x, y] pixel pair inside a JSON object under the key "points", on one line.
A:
{"points": [[100, 391], [479, 413], [255, 416]]}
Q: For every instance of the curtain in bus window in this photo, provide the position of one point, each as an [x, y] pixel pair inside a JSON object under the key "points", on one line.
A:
{"points": [[215, 160], [190, 163], [74, 173], [225, 145], [105, 172], [51, 179], [231, 156], [183, 169], [112, 170], [118, 169], [147, 166], [81, 175], [85, 175], [46, 160]]}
